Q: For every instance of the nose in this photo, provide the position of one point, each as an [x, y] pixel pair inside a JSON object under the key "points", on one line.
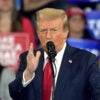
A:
{"points": [[48, 35]]}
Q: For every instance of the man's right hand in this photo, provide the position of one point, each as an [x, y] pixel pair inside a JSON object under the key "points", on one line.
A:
{"points": [[32, 63]]}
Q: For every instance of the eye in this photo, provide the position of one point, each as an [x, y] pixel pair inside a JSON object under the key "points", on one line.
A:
{"points": [[54, 30], [43, 30]]}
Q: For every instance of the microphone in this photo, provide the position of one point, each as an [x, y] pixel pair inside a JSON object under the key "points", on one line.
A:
{"points": [[51, 51]]}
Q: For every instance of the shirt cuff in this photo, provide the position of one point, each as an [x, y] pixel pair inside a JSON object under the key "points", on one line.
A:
{"points": [[29, 81]]}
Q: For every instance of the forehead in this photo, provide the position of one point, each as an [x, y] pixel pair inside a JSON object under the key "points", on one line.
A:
{"points": [[50, 23]]}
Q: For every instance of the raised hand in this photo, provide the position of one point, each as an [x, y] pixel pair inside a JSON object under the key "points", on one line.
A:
{"points": [[32, 63]]}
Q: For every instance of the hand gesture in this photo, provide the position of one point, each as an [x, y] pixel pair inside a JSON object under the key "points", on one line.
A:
{"points": [[32, 62]]}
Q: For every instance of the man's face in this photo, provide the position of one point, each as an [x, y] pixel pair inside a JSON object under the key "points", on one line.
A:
{"points": [[76, 23], [52, 30]]}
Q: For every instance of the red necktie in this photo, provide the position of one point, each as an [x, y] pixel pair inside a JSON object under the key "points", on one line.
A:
{"points": [[47, 82]]}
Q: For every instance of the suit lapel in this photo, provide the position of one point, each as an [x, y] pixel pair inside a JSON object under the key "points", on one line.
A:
{"points": [[64, 72]]}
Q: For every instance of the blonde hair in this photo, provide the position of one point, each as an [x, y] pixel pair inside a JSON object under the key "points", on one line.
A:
{"points": [[51, 14]]}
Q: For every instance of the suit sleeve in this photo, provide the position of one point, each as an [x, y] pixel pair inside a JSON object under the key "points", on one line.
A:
{"points": [[16, 89], [94, 78]]}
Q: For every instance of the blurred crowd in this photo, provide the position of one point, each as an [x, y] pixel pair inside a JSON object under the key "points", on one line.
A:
{"points": [[21, 20]]}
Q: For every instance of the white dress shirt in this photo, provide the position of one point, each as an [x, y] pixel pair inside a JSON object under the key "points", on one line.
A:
{"points": [[58, 60]]}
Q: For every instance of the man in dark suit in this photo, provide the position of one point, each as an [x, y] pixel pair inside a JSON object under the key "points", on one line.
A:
{"points": [[77, 73]]}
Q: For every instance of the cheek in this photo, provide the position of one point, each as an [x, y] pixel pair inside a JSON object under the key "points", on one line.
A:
{"points": [[72, 24], [58, 39], [82, 25]]}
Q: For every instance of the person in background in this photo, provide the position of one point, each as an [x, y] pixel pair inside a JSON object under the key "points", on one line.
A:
{"points": [[6, 76], [11, 21], [1, 68], [35, 4], [76, 73], [77, 23]]}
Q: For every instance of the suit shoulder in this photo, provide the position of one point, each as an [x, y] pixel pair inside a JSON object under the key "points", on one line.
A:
{"points": [[83, 53]]}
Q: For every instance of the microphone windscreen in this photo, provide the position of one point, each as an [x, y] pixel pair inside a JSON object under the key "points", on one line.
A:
{"points": [[51, 50]]}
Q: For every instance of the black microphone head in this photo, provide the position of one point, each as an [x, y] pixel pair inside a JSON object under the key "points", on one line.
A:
{"points": [[51, 50]]}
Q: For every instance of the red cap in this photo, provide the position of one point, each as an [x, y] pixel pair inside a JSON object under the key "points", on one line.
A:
{"points": [[75, 11]]}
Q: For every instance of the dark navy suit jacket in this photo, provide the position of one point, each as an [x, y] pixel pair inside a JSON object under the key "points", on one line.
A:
{"points": [[79, 80]]}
